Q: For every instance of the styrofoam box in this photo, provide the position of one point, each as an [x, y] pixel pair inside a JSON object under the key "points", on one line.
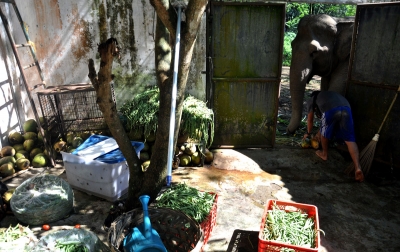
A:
{"points": [[105, 175]]}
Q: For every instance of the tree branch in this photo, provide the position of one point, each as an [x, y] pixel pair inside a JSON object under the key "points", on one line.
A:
{"points": [[101, 83]]}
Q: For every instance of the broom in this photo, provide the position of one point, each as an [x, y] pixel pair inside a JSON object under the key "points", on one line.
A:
{"points": [[367, 154]]}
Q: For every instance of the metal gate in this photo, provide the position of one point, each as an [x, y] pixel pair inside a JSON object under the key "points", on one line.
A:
{"points": [[374, 78], [244, 48]]}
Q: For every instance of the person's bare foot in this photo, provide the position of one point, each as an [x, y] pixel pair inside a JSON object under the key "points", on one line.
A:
{"points": [[359, 176], [321, 155]]}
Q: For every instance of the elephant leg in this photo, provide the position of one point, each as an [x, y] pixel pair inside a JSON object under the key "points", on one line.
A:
{"points": [[338, 78], [325, 83]]}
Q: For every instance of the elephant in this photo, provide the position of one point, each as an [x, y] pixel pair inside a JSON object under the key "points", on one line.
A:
{"points": [[321, 47]]}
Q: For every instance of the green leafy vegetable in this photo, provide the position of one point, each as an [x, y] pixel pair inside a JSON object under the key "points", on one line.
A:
{"points": [[195, 203], [197, 120], [142, 111]]}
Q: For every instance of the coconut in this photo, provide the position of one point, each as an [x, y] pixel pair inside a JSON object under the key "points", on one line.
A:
{"points": [[40, 139], [7, 151], [70, 137], [185, 159], [190, 148], [151, 137], [40, 160], [77, 141], [22, 164], [15, 138], [144, 156], [34, 152], [30, 126], [29, 145], [42, 121], [85, 135], [145, 165], [21, 154], [18, 147], [31, 135], [315, 143], [146, 146], [60, 146], [208, 156], [135, 135], [196, 158], [8, 159], [7, 169], [306, 143], [7, 196]]}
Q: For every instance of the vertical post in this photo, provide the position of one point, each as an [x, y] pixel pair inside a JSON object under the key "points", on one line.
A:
{"points": [[173, 100]]}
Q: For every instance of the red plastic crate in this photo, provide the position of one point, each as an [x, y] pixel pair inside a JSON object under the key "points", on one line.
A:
{"points": [[268, 245], [209, 222]]}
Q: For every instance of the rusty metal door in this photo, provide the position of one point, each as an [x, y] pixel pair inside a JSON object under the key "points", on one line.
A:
{"points": [[374, 78], [244, 48]]}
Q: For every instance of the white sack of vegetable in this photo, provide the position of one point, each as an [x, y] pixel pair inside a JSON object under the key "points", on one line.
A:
{"points": [[17, 238], [42, 199], [75, 239]]}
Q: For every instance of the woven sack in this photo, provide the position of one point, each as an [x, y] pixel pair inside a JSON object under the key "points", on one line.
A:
{"points": [[42, 199], [178, 231]]}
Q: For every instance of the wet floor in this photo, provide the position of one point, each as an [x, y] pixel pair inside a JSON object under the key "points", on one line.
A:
{"points": [[354, 216]]}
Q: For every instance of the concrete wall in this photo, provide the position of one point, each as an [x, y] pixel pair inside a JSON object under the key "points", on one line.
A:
{"points": [[65, 35]]}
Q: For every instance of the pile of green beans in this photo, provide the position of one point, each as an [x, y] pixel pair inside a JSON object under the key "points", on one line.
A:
{"points": [[294, 228], [71, 246], [195, 203]]}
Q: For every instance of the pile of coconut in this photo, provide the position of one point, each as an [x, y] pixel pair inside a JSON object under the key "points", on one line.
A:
{"points": [[25, 149]]}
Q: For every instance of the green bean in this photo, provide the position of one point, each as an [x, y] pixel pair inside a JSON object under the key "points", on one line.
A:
{"points": [[12, 233], [295, 227], [187, 199], [71, 246]]}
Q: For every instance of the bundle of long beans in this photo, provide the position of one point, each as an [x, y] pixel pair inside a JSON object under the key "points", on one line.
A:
{"points": [[197, 204], [294, 228]]}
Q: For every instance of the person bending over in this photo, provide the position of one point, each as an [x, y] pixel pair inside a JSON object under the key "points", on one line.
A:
{"points": [[336, 121]]}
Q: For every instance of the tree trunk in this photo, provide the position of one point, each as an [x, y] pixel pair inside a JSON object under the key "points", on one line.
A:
{"points": [[194, 12], [101, 83], [151, 181]]}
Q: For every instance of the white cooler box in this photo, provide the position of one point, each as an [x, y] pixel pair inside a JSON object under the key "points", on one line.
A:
{"points": [[98, 167]]}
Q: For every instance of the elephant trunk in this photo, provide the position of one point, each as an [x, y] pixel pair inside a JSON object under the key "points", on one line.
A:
{"points": [[300, 74]]}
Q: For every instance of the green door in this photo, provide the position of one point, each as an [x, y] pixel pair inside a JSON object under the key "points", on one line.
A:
{"points": [[244, 48]]}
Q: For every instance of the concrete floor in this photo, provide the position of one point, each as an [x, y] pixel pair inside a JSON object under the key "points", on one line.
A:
{"points": [[354, 216]]}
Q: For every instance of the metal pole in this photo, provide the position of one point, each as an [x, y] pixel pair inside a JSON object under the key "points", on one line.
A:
{"points": [[173, 100]]}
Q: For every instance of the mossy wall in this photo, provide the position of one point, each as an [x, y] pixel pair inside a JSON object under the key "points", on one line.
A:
{"points": [[66, 35]]}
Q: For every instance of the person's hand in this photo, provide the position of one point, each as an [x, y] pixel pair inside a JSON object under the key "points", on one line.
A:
{"points": [[306, 135]]}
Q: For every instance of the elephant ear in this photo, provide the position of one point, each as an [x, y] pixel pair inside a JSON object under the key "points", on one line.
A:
{"points": [[343, 40], [315, 48]]}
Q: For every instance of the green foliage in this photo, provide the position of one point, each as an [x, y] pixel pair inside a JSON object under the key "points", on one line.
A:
{"points": [[294, 12], [287, 48], [141, 113]]}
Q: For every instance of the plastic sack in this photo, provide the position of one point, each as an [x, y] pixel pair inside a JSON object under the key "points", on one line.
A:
{"points": [[18, 239], [87, 238], [42, 199]]}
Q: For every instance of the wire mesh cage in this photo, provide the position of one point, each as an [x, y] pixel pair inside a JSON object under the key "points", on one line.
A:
{"points": [[70, 108]]}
